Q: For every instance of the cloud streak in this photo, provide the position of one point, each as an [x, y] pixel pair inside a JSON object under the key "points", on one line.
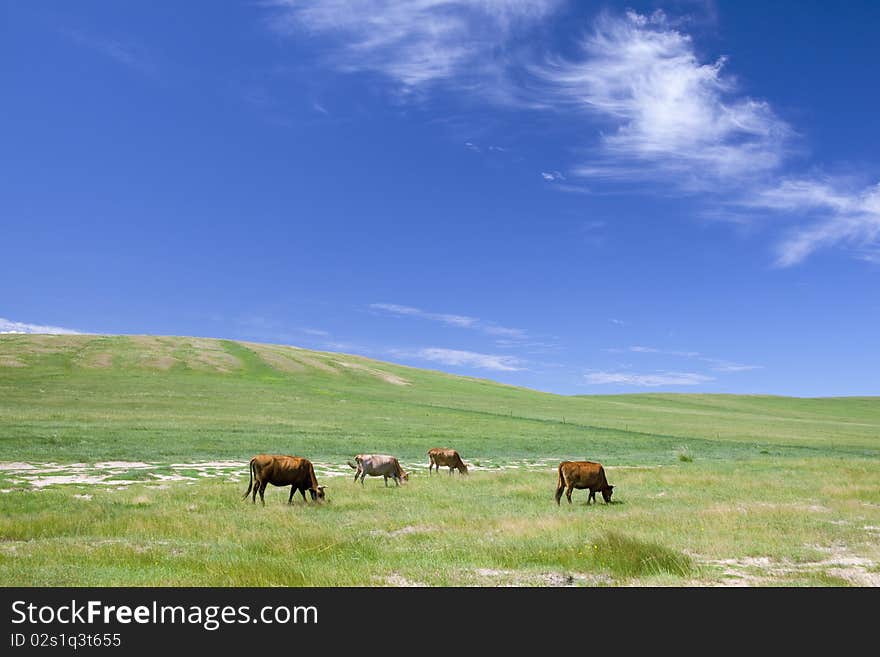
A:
{"points": [[459, 321], [415, 42], [459, 358], [715, 364], [9, 326], [837, 213], [127, 52], [650, 380]]}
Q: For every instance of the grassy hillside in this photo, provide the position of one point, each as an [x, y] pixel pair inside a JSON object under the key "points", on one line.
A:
{"points": [[122, 462], [161, 398]]}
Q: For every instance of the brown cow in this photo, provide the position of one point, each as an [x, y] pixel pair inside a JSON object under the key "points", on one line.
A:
{"points": [[582, 474], [447, 457], [293, 471]]}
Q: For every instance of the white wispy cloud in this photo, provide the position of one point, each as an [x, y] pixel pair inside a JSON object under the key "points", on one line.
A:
{"points": [[413, 42], [317, 332], [460, 321], [456, 357], [649, 380], [453, 320], [668, 352], [637, 93], [714, 364], [124, 51], [551, 176], [832, 212], [671, 114], [9, 326], [717, 365]]}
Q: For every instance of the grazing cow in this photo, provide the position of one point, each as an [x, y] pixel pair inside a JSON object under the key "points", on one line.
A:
{"points": [[582, 474], [447, 457], [293, 471], [378, 465]]}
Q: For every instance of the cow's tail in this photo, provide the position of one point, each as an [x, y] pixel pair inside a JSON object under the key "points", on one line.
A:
{"points": [[560, 484], [251, 482]]}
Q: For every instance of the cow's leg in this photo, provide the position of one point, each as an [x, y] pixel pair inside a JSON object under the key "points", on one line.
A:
{"points": [[568, 492], [385, 477], [559, 489], [591, 496], [257, 484], [263, 485], [292, 491], [302, 491]]}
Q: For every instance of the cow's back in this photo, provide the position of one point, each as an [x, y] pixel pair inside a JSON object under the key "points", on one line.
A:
{"points": [[583, 474], [283, 470], [446, 457]]}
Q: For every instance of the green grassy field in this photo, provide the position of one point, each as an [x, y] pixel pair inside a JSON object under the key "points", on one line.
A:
{"points": [[709, 489]]}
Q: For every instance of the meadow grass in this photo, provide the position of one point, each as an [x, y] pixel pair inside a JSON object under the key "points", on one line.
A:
{"points": [[671, 525], [709, 489]]}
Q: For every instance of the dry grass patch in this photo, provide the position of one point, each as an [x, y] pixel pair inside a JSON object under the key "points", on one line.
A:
{"points": [[384, 376], [281, 353]]}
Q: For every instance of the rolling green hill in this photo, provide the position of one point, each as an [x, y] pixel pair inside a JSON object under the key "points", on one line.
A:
{"points": [[87, 397]]}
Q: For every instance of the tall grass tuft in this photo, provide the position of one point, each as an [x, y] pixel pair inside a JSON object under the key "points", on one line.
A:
{"points": [[630, 557], [684, 454]]}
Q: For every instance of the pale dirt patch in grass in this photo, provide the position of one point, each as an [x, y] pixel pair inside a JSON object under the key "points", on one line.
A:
{"points": [[291, 353], [764, 571], [42, 482], [97, 361], [47, 344], [41, 475], [210, 356], [403, 531], [746, 507], [384, 376], [147, 346], [518, 578], [279, 361], [157, 353], [11, 361], [162, 363], [398, 580]]}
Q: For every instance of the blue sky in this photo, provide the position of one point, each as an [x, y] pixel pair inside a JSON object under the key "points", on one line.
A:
{"points": [[576, 197]]}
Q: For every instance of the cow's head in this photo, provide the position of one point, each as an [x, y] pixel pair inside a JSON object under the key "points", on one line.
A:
{"points": [[405, 476], [317, 493], [606, 493], [463, 468]]}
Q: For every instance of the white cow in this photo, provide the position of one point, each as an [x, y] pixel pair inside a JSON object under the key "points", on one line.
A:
{"points": [[378, 465]]}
